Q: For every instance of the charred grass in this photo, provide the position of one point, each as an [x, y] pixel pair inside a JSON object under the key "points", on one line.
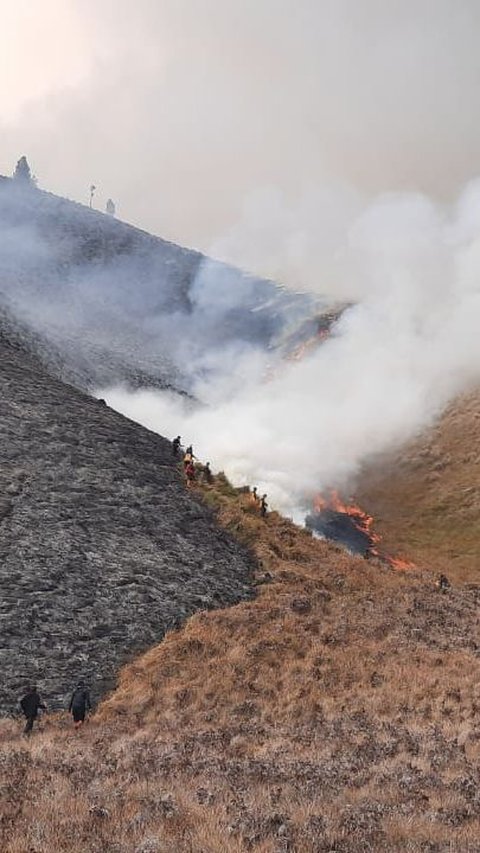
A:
{"points": [[335, 712]]}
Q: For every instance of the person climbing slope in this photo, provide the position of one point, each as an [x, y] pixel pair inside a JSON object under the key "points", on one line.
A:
{"points": [[176, 444], [188, 456], [263, 506], [254, 499], [80, 704], [30, 705], [190, 473]]}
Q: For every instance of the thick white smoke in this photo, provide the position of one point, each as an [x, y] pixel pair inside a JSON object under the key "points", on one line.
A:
{"points": [[396, 357], [216, 117]]}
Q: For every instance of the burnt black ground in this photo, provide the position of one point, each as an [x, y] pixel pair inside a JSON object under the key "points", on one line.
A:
{"points": [[340, 527], [101, 546]]}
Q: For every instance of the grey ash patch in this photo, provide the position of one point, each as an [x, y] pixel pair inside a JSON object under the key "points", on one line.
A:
{"points": [[101, 547]]}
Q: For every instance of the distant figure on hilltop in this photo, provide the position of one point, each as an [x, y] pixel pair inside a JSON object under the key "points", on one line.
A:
{"points": [[22, 173], [80, 704], [30, 704], [110, 207], [176, 445]]}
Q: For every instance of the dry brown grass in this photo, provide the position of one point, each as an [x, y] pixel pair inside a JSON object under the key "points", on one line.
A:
{"points": [[426, 498], [336, 711]]}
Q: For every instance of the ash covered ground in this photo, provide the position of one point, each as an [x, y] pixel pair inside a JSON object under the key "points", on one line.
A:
{"points": [[101, 547]]}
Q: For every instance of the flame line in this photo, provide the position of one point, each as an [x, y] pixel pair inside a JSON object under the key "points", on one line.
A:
{"points": [[364, 523]]}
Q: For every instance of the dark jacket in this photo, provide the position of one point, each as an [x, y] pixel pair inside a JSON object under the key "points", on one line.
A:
{"points": [[80, 700], [30, 704]]}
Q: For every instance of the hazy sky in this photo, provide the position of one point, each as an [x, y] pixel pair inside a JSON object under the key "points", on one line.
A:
{"points": [[205, 119]]}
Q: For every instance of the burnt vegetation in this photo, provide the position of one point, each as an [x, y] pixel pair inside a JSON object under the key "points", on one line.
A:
{"points": [[101, 547]]}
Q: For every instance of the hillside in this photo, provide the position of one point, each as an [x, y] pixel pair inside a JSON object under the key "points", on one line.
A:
{"points": [[336, 711], [426, 498], [277, 695], [123, 306], [101, 547]]}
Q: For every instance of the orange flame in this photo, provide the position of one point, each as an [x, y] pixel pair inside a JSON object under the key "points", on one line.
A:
{"points": [[362, 522]]}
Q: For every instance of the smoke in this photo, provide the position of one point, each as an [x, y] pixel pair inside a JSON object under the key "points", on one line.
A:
{"points": [[267, 134], [117, 302], [183, 111], [394, 360]]}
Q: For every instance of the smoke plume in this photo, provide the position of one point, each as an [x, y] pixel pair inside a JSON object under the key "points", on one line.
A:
{"points": [[317, 142], [394, 360]]}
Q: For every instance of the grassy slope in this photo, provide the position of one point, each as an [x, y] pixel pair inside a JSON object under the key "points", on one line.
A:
{"points": [[426, 500], [337, 711]]}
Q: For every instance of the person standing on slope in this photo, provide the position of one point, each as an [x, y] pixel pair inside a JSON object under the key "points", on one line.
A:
{"points": [[263, 506], [30, 704], [443, 583], [207, 474], [79, 704], [176, 445]]}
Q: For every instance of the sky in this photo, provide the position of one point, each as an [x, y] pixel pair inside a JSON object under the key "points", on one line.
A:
{"points": [[235, 127]]}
